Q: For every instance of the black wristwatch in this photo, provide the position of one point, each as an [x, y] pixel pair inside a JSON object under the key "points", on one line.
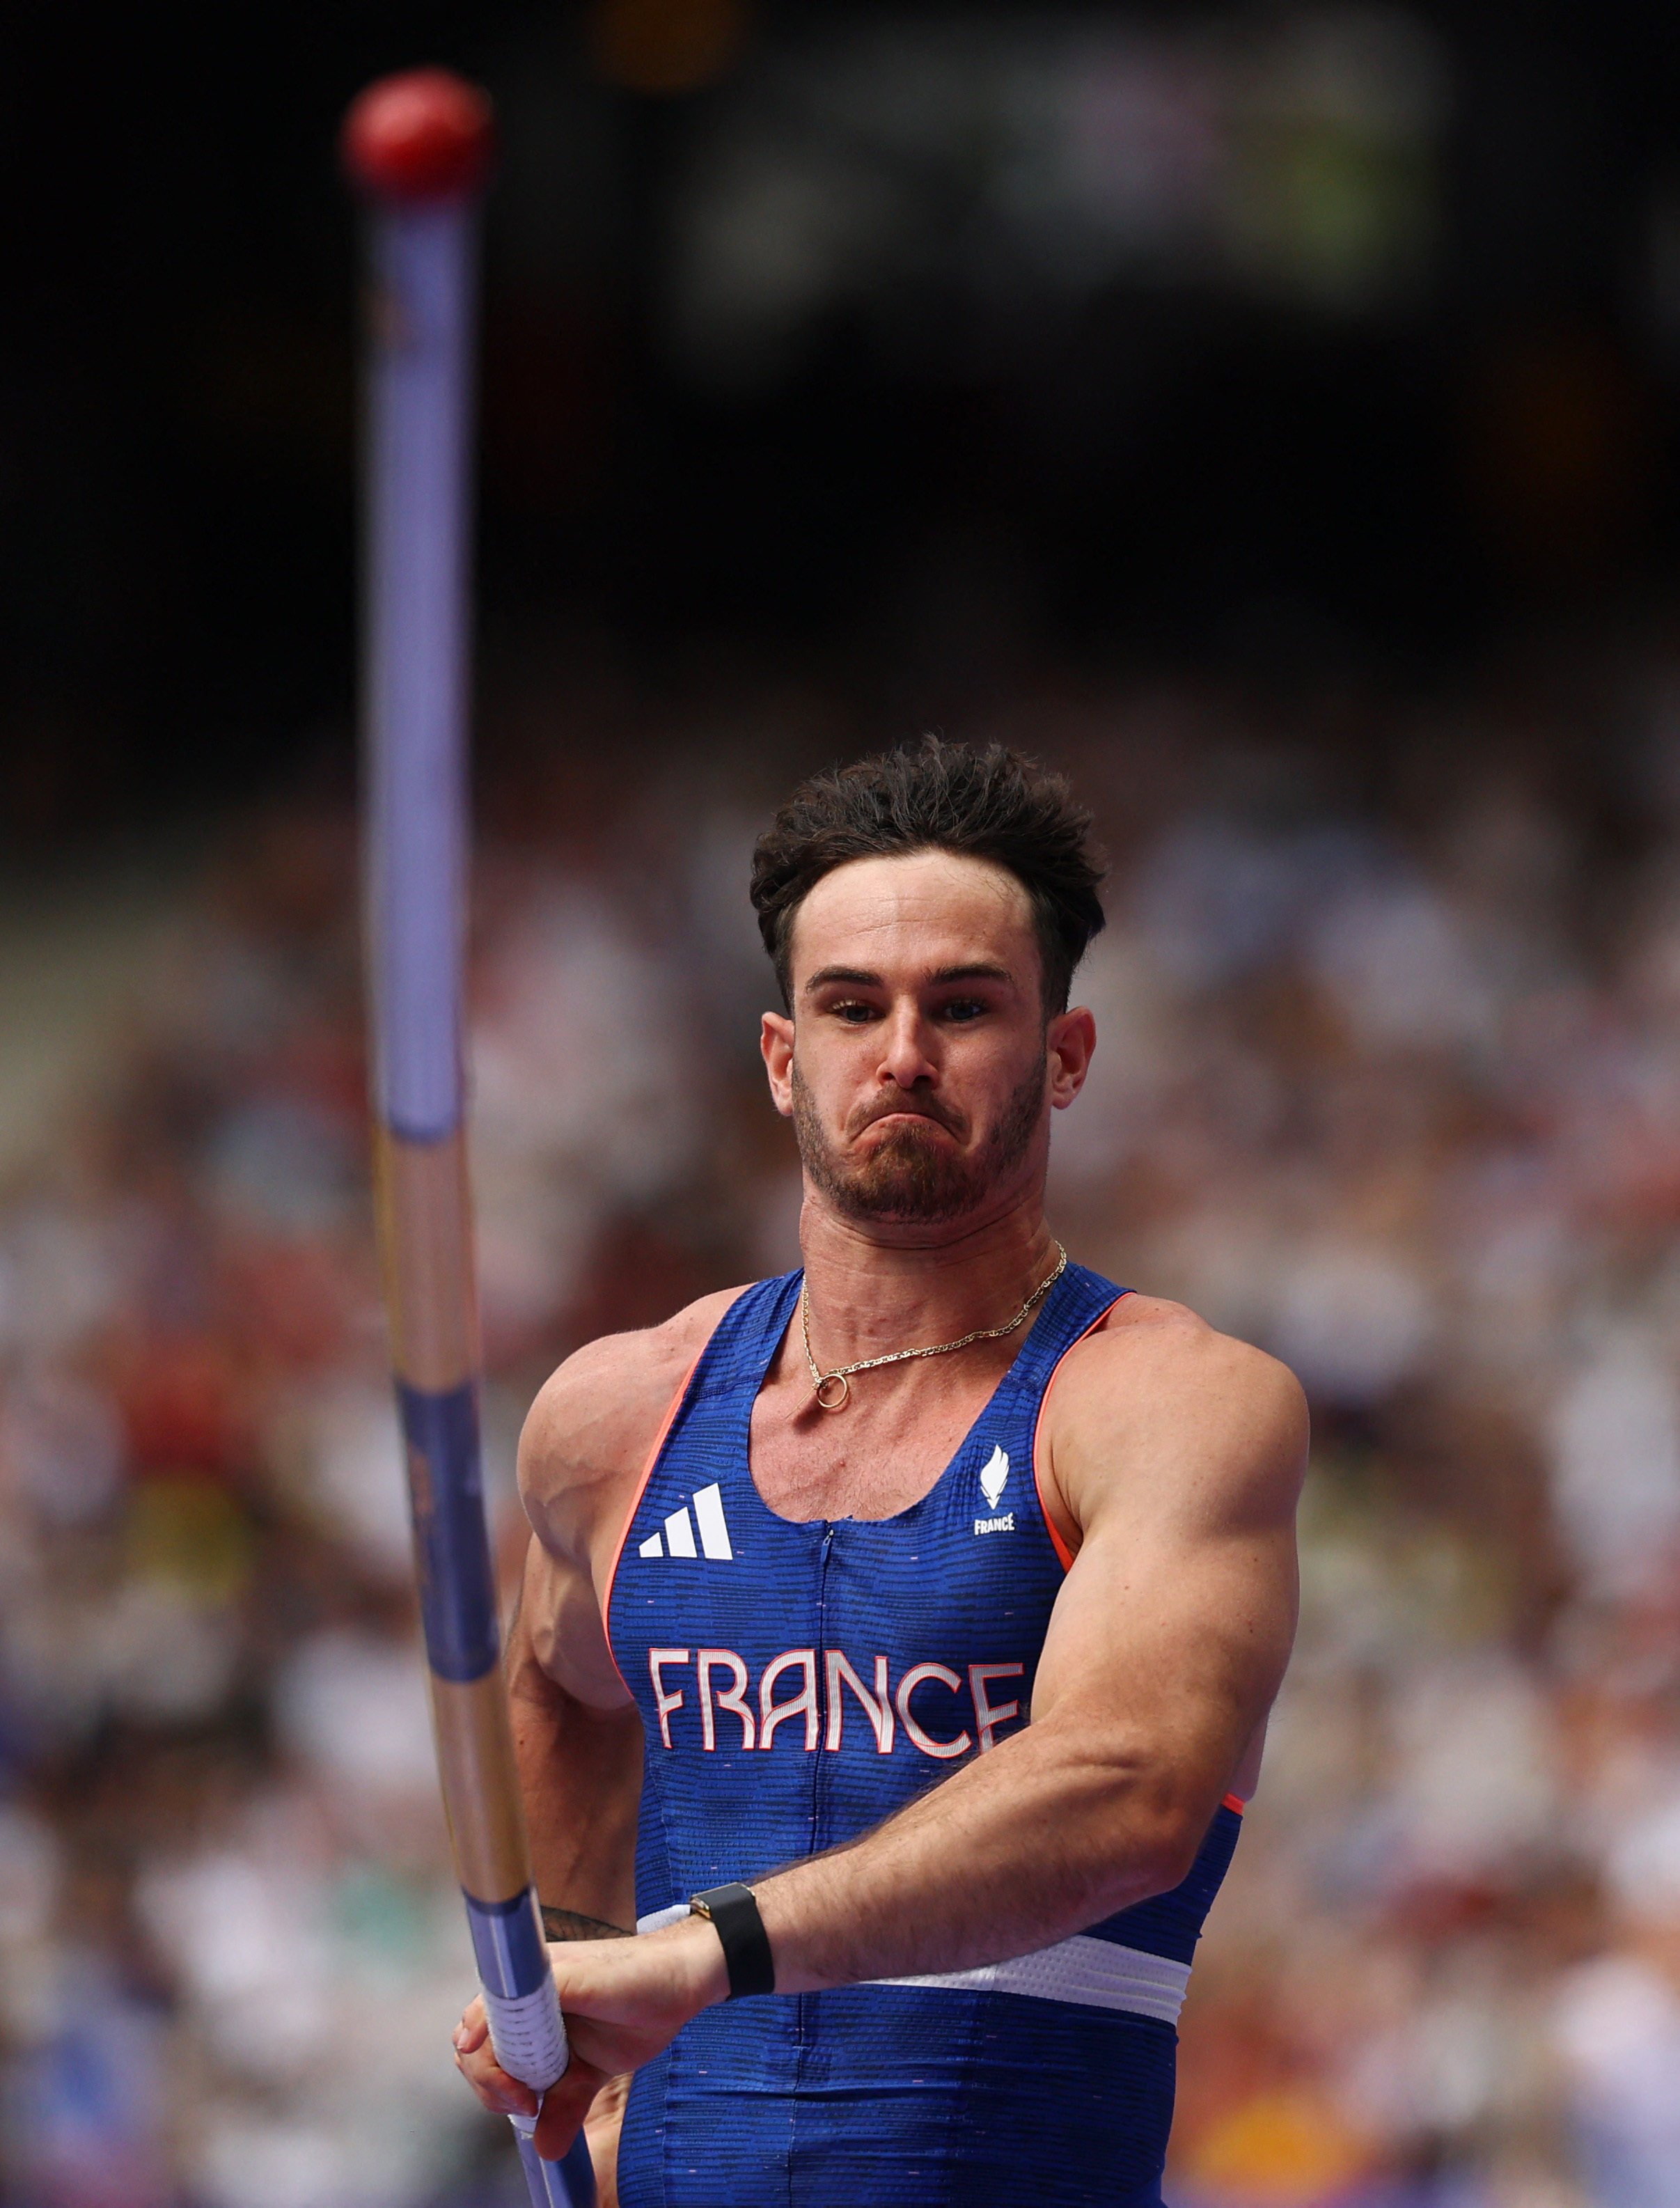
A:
{"points": [[734, 1911]]}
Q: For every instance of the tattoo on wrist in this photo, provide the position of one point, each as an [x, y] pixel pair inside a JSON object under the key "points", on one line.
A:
{"points": [[572, 1924]]}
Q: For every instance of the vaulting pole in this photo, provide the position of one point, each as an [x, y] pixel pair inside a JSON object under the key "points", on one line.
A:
{"points": [[417, 148]]}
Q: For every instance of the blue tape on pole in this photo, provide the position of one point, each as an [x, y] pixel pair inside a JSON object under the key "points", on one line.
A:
{"points": [[508, 1944], [458, 1604]]}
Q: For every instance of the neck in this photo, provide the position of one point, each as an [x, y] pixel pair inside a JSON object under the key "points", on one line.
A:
{"points": [[874, 1289]]}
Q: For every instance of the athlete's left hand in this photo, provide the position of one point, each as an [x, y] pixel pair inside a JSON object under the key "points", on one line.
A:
{"points": [[624, 2001]]}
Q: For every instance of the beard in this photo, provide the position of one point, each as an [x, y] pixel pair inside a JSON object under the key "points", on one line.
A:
{"points": [[911, 1176]]}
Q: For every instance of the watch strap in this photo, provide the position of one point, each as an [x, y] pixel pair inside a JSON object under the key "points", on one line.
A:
{"points": [[733, 1911]]}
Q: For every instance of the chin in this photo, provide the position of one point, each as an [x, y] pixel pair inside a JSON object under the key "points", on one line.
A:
{"points": [[929, 1188]]}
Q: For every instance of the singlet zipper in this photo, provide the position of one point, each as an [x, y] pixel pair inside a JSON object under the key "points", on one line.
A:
{"points": [[819, 1839], [802, 2002]]}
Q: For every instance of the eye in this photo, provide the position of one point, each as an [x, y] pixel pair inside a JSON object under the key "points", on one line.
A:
{"points": [[963, 1008], [853, 1012]]}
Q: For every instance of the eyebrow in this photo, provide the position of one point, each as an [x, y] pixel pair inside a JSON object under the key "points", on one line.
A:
{"points": [[980, 970], [856, 977]]}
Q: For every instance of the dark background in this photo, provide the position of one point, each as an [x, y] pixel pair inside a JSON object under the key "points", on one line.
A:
{"points": [[1154, 470]]}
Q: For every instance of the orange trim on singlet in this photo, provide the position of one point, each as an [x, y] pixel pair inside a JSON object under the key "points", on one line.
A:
{"points": [[653, 1457], [1234, 1803], [1059, 1545]]}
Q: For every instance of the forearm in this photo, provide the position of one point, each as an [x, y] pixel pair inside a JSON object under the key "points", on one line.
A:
{"points": [[1032, 1841], [580, 1774]]}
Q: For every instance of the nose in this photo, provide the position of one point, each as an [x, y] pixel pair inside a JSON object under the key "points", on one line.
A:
{"points": [[905, 1057]]}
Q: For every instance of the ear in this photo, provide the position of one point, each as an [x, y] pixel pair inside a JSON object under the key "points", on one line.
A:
{"points": [[1069, 1042], [776, 1044]]}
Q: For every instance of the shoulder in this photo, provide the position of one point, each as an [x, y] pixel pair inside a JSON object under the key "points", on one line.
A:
{"points": [[589, 1432], [1158, 1400], [1151, 1353]]}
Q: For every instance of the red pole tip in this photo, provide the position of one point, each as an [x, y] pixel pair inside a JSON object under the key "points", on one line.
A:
{"points": [[425, 135]]}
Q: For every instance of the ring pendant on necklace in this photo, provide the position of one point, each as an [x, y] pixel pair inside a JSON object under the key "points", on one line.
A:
{"points": [[833, 1389]]}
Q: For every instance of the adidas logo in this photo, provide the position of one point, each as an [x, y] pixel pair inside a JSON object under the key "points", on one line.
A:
{"points": [[678, 1537], [993, 1479]]}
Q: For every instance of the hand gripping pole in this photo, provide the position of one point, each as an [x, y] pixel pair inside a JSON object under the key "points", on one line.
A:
{"points": [[417, 148]]}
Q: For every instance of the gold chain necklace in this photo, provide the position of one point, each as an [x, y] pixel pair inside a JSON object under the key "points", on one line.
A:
{"points": [[823, 1384]]}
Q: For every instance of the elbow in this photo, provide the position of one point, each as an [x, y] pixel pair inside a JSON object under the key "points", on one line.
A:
{"points": [[1165, 1854], [1147, 1818], [1167, 1827]]}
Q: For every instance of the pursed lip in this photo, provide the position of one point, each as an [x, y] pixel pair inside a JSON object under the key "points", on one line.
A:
{"points": [[908, 1119]]}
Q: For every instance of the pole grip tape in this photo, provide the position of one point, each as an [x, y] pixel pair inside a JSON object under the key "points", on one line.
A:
{"points": [[520, 1997], [528, 2036], [451, 1547]]}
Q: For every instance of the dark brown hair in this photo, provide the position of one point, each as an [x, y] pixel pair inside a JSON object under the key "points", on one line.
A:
{"points": [[993, 804]]}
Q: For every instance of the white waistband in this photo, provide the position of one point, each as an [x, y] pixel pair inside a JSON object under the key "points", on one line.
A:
{"points": [[1094, 1973], [1097, 1973]]}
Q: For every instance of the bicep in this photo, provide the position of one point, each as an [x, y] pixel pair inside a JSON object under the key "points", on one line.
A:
{"points": [[564, 1492], [559, 1637], [1186, 1636], [586, 1436], [1175, 1622]]}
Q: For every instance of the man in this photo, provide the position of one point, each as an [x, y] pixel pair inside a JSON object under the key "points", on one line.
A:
{"points": [[809, 1556]]}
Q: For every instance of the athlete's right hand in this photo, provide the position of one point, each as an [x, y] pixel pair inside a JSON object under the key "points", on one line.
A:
{"points": [[624, 2001]]}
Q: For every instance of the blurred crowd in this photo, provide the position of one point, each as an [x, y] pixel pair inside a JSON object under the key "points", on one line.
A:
{"points": [[1389, 1081]]}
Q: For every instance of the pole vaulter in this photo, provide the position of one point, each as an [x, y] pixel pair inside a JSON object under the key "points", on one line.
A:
{"points": [[417, 148]]}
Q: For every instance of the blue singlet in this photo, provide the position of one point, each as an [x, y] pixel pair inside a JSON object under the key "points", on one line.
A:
{"points": [[800, 1682]]}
